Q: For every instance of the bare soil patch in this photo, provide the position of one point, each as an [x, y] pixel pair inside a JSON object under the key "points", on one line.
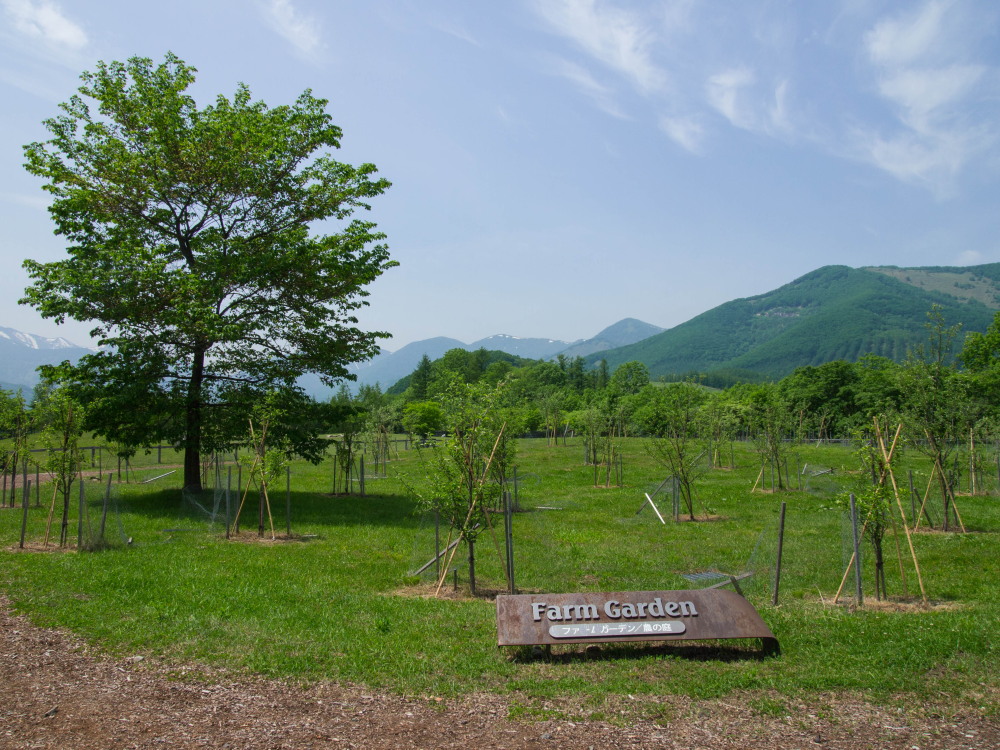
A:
{"points": [[59, 692]]}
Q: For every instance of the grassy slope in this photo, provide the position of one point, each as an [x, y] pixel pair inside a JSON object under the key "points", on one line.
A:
{"points": [[834, 312], [977, 283], [325, 606]]}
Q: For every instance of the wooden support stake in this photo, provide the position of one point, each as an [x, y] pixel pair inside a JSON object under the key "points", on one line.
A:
{"points": [[899, 504], [951, 496], [923, 505]]}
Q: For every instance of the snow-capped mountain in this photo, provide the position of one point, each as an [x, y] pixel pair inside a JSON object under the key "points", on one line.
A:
{"points": [[32, 341], [22, 353]]}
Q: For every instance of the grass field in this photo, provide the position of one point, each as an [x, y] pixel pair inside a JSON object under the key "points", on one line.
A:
{"points": [[338, 599]]}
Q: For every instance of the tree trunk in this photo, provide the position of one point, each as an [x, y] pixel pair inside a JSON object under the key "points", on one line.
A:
{"points": [[192, 437], [64, 526]]}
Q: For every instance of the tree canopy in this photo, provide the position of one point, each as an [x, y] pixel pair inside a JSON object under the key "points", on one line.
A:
{"points": [[192, 247]]}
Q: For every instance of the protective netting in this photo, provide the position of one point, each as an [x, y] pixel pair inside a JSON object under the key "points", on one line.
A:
{"points": [[103, 510]]}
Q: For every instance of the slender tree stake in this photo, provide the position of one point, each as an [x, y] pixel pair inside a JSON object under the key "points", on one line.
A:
{"points": [[951, 496], [899, 504], [236, 521], [850, 562], [444, 569], [52, 512], [476, 499], [923, 504]]}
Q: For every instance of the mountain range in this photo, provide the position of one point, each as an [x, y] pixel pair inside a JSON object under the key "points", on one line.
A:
{"points": [[389, 367], [21, 353], [834, 312]]}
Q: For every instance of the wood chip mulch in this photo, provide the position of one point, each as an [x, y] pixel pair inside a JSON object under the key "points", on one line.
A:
{"points": [[58, 692]]}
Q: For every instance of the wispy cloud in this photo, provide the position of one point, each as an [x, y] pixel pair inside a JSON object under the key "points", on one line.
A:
{"points": [[930, 161], [603, 96], [658, 51], [911, 89], [299, 30], [617, 38], [36, 202], [42, 44], [725, 92], [778, 114], [922, 94], [922, 74], [451, 28], [686, 132], [910, 38], [44, 21]]}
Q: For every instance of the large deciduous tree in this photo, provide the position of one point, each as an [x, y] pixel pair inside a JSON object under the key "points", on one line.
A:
{"points": [[194, 245]]}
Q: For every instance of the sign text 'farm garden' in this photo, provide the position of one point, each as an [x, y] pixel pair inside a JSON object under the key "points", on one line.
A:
{"points": [[539, 619]]}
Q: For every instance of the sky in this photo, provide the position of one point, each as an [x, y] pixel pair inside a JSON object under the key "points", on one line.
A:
{"points": [[559, 165]]}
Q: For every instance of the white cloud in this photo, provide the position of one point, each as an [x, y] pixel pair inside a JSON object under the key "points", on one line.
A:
{"points": [[778, 113], [617, 38], [676, 15], [923, 74], [302, 32], [725, 94], [907, 39], [40, 44], [920, 93], [40, 20], [932, 161], [781, 72], [687, 132]]}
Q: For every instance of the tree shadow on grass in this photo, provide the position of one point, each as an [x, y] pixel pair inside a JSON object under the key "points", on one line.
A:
{"points": [[308, 509]]}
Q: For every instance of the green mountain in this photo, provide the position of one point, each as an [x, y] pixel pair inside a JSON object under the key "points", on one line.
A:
{"points": [[833, 313]]}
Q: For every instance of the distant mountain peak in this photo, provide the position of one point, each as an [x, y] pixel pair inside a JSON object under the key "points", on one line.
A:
{"points": [[22, 353], [624, 332], [31, 341]]}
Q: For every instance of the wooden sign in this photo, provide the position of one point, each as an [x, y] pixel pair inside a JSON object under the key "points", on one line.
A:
{"points": [[700, 614]]}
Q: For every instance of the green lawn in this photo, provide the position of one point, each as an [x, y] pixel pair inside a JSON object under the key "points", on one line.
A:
{"points": [[337, 600]]}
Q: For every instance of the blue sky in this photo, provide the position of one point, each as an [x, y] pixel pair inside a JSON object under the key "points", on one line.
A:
{"points": [[559, 165]]}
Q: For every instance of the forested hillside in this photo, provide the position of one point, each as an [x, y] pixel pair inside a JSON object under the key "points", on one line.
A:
{"points": [[833, 313]]}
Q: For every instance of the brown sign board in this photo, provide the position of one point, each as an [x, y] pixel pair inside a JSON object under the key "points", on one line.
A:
{"points": [[547, 619]]}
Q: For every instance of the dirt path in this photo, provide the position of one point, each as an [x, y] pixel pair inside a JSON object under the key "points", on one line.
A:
{"points": [[56, 692]]}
